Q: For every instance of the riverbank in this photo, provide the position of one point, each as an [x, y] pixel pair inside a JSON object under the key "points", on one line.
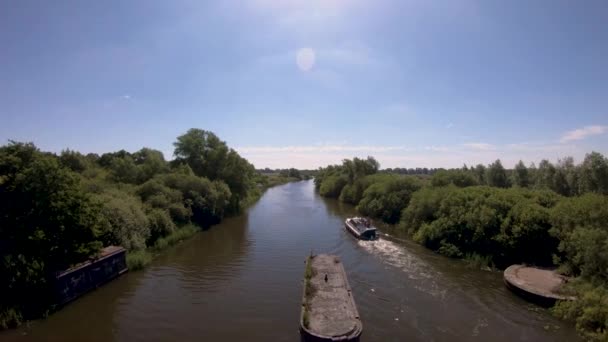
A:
{"points": [[139, 259]]}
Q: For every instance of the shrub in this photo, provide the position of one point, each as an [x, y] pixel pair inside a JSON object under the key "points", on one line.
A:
{"points": [[508, 225], [160, 225], [589, 311], [125, 222], [386, 199], [458, 178], [423, 208], [179, 214], [10, 318], [332, 186], [580, 225], [47, 223], [175, 237], [137, 260]]}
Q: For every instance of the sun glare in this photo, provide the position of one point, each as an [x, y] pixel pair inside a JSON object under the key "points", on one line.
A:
{"points": [[305, 59]]}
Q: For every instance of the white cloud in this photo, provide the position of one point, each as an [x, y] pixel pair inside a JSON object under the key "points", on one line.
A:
{"points": [[126, 97], [449, 125], [480, 146], [582, 133]]}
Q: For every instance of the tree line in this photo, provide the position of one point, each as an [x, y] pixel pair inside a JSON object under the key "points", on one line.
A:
{"points": [[59, 210], [289, 173], [550, 215]]}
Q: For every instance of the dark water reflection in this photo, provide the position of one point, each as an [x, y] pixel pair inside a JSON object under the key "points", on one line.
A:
{"points": [[241, 281]]}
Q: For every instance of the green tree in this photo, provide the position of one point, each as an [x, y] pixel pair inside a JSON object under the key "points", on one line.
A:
{"points": [[569, 175], [332, 185], [457, 177], [521, 176], [545, 175], [480, 174], [125, 222], [149, 163], [47, 223], [210, 157], [203, 151], [594, 173], [124, 170], [496, 175], [74, 160], [388, 198]]}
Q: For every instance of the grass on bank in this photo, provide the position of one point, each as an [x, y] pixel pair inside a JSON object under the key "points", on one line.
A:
{"points": [[309, 290], [10, 318], [137, 260], [476, 261]]}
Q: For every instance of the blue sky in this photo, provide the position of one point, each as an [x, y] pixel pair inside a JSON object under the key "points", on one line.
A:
{"points": [[307, 83]]}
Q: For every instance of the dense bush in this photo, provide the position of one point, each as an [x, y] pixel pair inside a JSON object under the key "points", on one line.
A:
{"points": [[353, 193], [125, 222], [161, 225], [46, 223], [207, 199], [510, 225], [589, 311], [387, 198], [332, 186], [581, 225], [209, 157], [456, 177], [423, 208]]}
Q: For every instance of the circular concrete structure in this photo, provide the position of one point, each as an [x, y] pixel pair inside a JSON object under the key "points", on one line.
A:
{"points": [[535, 284]]}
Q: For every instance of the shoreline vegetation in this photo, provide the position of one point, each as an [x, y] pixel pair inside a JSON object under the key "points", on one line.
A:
{"points": [[139, 259], [57, 210], [492, 217]]}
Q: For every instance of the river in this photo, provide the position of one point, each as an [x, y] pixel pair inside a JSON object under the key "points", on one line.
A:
{"points": [[242, 281]]}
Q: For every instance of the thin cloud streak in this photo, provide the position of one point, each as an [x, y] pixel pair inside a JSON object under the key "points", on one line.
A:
{"points": [[314, 156], [480, 146], [320, 148], [582, 133]]}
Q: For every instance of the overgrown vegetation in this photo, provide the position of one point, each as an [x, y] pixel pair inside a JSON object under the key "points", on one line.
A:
{"points": [[309, 290], [550, 215], [59, 210]]}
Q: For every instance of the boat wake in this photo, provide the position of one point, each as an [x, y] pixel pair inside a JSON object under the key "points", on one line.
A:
{"points": [[391, 253]]}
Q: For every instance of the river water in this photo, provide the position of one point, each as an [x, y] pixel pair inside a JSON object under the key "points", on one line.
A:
{"points": [[242, 281]]}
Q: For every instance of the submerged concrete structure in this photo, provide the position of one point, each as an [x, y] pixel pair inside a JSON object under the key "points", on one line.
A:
{"points": [[329, 312]]}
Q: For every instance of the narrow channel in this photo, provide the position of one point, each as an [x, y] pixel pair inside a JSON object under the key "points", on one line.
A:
{"points": [[242, 281]]}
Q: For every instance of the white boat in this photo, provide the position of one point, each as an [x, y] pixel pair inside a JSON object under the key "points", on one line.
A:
{"points": [[361, 228]]}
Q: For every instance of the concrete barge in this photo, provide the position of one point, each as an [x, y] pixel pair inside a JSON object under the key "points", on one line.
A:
{"points": [[76, 281], [537, 285], [328, 309]]}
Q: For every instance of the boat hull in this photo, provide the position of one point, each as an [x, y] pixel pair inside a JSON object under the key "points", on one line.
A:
{"points": [[366, 235]]}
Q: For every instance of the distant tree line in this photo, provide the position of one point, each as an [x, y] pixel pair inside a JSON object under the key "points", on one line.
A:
{"points": [[59, 210], [290, 173], [565, 178], [411, 171], [548, 215]]}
